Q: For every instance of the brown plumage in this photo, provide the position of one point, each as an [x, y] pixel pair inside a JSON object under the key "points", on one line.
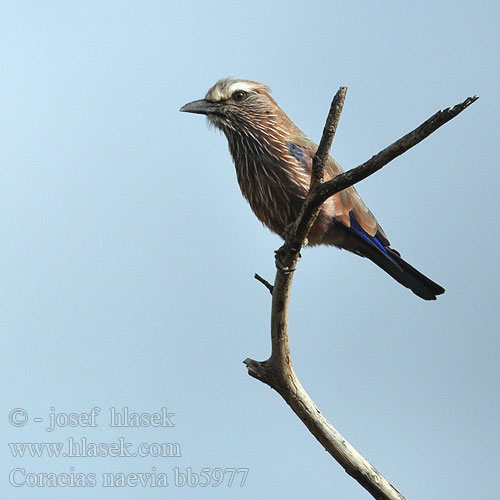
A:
{"points": [[273, 160]]}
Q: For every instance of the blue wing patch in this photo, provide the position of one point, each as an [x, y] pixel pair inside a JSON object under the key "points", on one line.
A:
{"points": [[296, 152], [373, 240]]}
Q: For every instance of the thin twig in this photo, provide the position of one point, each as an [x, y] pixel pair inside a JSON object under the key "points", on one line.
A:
{"points": [[278, 371], [264, 282]]}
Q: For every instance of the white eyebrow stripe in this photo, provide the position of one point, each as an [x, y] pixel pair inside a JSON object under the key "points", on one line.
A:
{"points": [[240, 85], [224, 88]]}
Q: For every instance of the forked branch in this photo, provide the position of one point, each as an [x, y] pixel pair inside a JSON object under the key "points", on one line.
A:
{"points": [[277, 371]]}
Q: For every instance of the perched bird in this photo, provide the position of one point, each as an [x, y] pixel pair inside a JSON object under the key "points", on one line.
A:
{"points": [[273, 160]]}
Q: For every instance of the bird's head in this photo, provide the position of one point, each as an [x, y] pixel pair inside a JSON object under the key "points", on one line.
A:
{"points": [[237, 106]]}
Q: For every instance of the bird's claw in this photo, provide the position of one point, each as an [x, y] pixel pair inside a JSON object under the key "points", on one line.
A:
{"points": [[284, 269]]}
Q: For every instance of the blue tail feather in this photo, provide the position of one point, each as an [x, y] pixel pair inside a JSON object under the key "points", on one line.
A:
{"points": [[379, 251]]}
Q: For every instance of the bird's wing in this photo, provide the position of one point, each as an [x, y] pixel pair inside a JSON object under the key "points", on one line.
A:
{"points": [[346, 206]]}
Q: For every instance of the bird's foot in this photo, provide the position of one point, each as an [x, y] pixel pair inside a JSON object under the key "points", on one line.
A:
{"points": [[280, 255]]}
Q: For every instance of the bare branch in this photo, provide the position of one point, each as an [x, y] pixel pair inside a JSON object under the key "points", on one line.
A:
{"points": [[280, 375], [321, 192], [277, 371]]}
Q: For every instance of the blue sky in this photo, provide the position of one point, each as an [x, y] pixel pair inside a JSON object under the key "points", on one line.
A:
{"points": [[128, 252]]}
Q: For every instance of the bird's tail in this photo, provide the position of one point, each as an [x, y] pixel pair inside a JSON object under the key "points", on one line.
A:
{"points": [[404, 273]]}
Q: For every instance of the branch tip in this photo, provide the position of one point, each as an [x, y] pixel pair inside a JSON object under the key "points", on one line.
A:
{"points": [[256, 369], [329, 131]]}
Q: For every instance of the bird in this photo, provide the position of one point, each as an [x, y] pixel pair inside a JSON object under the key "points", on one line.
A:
{"points": [[273, 162]]}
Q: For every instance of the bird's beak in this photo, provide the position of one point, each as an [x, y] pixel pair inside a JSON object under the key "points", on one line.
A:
{"points": [[201, 107]]}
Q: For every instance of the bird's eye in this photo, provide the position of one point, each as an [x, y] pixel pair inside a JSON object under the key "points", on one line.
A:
{"points": [[239, 95]]}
